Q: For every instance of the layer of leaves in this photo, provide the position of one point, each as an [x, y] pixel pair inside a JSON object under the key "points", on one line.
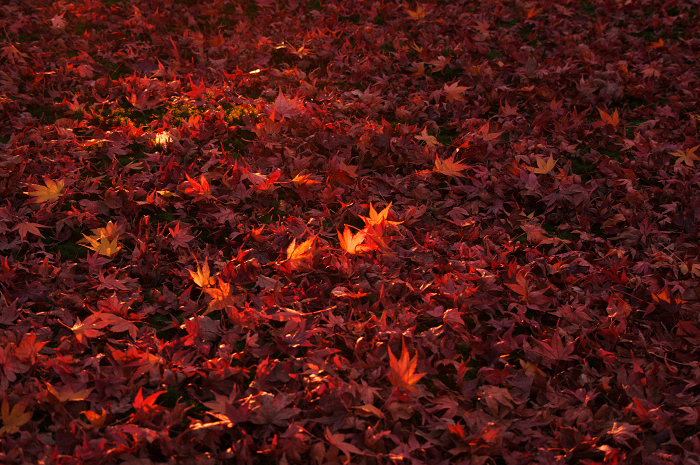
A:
{"points": [[262, 231]]}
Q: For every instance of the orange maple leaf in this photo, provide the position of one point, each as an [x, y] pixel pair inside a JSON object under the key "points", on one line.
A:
{"points": [[419, 13], [449, 167], [221, 295], [48, 193], [379, 219], [201, 277], [304, 180], [13, 419], [352, 244], [300, 257], [613, 120], [403, 373], [686, 156], [197, 188], [543, 167], [96, 419], [533, 12]]}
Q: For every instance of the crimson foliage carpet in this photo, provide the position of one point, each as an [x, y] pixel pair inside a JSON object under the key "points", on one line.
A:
{"points": [[293, 231]]}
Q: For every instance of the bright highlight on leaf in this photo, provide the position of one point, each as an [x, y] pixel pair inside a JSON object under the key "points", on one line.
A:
{"points": [[352, 243], [543, 167], [194, 187], [403, 371], [201, 277], [48, 193], [104, 241], [380, 218], [300, 257], [103, 245]]}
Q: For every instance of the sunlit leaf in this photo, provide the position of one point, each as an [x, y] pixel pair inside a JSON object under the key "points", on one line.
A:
{"points": [[50, 192]]}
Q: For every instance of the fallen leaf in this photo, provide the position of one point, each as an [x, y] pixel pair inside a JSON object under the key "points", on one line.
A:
{"points": [[352, 243], [50, 192], [543, 167], [13, 420], [449, 167], [402, 373], [454, 92], [686, 156]]}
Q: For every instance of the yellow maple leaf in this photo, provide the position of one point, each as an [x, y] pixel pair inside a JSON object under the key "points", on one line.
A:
{"points": [[543, 167], [48, 193], [403, 371], [13, 419], [449, 167], [201, 277], [111, 231], [102, 245], [686, 156]]}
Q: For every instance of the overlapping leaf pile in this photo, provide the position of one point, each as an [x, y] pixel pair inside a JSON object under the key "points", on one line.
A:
{"points": [[326, 232]]}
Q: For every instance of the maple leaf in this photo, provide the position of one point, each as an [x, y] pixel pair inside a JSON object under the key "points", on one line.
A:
{"points": [[24, 227], [266, 408], [147, 404], [533, 12], [96, 419], [13, 419], [403, 370], [50, 192], [29, 349], [104, 240], [201, 277], [454, 92], [221, 295], [659, 43], [621, 432], [352, 244], [179, 236], [65, 394], [102, 245], [197, 188], [429, 140], [449, 167], [300, 257], [419, 13], [338, 440], [379, 219], [613, 120], [555, 352], [686, 156], [304, 180], [543, 167]]}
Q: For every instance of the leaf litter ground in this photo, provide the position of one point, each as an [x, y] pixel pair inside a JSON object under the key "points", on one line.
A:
{"points": [[349, 232]]}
